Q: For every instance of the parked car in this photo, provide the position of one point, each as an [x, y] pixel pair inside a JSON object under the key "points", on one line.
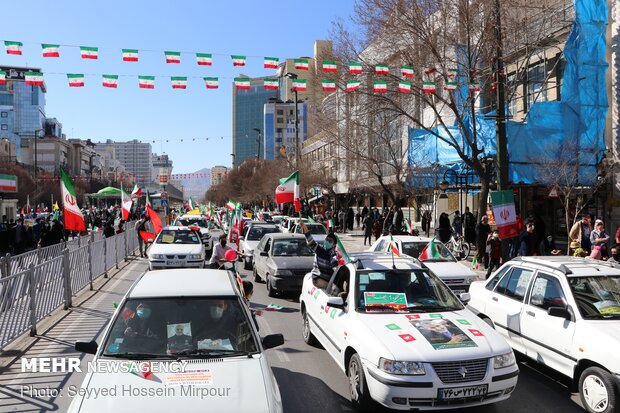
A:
{"points": [[176, 247], [201, 222], [290, 223], [252, 234], [404, 339], [200, 320], [318, 231], [457, 276], [563, 312], [282, 261]]}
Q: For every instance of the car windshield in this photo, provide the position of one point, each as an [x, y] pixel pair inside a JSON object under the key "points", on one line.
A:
{"points": [[597, 297], [177, 237], [403, 290], [414, 249], [292, 247], [187, 222], [256, 233], [180, 326], [315, 229]]}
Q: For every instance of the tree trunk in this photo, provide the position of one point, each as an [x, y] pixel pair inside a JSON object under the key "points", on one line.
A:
{"points": [[484, 195]]}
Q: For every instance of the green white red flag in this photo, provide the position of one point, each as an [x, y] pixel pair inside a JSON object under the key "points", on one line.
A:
{"points": [[50, 50], [238, 60], [270, 83], [452, 73], [230, 205], [288, 190], [34, 78], [137, 191], [408, 226], [89, 52], [270, 63], [355, 68], [404, 86], [406, 71], [190, 204], [211, 82], [130, 55], [429, 87], [328, 85], [382, 69], [125, 203], [146, 82], [430, 251], [450, 86], [353, 85], [299, 85], [301, 64], [13, 47], [179, 82], [75, 79], [110, 81], [173, 57], [379, 86], [330, 66], [2, 77], [474, 87], [341, 252], [505, 213], [242, 83], [430, 70], [394, 247], [204, 59], [73, 218]]}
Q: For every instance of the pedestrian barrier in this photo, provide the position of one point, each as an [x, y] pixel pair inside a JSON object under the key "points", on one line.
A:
{"points": [[52, 276]]}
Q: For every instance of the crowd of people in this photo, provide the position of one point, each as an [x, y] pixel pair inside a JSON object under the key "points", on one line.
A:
{"points": [[27, 233]]}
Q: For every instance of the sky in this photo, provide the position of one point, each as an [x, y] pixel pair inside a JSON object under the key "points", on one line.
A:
{"points": [[255, 28]]}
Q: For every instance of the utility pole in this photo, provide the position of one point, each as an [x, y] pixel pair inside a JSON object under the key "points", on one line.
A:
{"points": [[500, 119]]}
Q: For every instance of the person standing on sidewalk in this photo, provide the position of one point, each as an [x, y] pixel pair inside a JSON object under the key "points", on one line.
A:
{"points": [[494, 245], [367, 227], [139, 227], [482, 233]]}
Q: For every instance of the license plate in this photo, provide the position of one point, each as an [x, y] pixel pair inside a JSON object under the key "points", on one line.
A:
{"points": [[462, 392], [171, 263], [459, 291]]}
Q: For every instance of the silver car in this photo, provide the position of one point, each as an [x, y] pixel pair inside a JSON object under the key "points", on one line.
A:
{"points": [[282, 260]]}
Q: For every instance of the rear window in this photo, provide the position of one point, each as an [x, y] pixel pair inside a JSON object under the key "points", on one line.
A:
{"points": [[257, 233]]}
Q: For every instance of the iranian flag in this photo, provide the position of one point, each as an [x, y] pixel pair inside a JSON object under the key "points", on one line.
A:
{"points": [[505, 214], [148, 198], [230, 205], [270, 63], [130, 55], [154, 218], [382, 69], [355, 68], [270, 83], [179, 82], [173, 57], [190, 204], [34, 78], [341, 252], [73, 218], [146, 82], [428, 87], [301, 64], [50, 50], [330, 224], [430, 252], [204, 59], [137, 191], [242, 83], [75, 79], [430, 70], [125, 203], [288, 190], [13, 47], [353, 85], [89, 52], [299, 85], [452, 73], [450, 86], [404, 87], [379, 86], [2, 77], [406, 71], [328, 85], [408, 226], [8, 183], [394, 247], [474, 87], [110, 81], [238, 60], [330, 66], [211, 82]]}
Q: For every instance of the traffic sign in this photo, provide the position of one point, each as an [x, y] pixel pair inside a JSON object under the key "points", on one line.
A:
{"points": [[164, 196]]}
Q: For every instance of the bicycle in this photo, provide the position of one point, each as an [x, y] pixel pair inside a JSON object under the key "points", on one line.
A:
{"points": [[458, 246]]}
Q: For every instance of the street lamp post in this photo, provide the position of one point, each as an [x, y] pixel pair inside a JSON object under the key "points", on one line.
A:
{"points": [[36, 182], [258, 142]]}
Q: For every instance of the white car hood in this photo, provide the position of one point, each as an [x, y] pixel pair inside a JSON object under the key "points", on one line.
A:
{"points": [[449, 269], [398, 334], [170, 249], [250, 245], [241, 378]]}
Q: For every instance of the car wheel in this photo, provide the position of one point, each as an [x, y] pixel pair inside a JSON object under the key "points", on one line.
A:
{"points": [[306, 332], [597, 390], [257, 278], [271, 292], [360, 396]]}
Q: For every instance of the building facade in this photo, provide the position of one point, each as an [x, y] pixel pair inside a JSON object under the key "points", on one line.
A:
{"points": [[134, 156], [279, 128], [22, 108], [218, 173]]}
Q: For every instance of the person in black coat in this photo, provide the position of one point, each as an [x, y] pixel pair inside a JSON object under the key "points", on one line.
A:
{"points": [[350, 219], [482, 234], [368, 221], [445, 228], [469, 224]]}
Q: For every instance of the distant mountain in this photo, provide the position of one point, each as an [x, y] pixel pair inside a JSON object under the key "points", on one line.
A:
{"points": [[196, 187]]}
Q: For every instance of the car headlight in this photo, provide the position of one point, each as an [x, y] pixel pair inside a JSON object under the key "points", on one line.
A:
{"points": [[412, 368], [504, 360], [157, 256], [284, 272], [469, 280], [194, 256]]}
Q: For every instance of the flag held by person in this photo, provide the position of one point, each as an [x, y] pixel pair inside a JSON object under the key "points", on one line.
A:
{"points": [[288, 191], [125, 203], [73, 218]]}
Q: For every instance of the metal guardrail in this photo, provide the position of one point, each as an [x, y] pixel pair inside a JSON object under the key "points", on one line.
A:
{"points": [[29, 295]]}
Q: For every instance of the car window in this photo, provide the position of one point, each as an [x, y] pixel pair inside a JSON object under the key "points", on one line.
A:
{"points": [[291, 247], [381, 246], [340, 284], [316, 229], [245, 230], [547, 292], [503, 282], [256, 233], [177, 237], [597, 297], [495, 279], [267, 245], [518, 283]]}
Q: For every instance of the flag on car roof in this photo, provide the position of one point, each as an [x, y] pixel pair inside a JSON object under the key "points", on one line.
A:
{"points": [[430, 251], [394, 247]]}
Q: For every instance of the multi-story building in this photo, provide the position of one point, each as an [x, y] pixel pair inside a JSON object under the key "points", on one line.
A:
{"points": [[112, 168], [247, 108], [279, 128], [52, 154], [134, 156], [22, 108], [161, 165], [7, 151], [218, 173]]}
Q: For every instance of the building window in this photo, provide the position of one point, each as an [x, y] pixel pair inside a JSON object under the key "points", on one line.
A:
{"points": [[5, 127], [280, 112], [5, 114], [280, 120], [536, 88]]}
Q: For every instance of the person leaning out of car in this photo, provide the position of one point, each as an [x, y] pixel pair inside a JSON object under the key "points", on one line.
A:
{"points": [[325, 258]]}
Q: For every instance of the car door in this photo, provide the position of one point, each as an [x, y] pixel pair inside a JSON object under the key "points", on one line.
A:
{"points": [[262, 261], [258, 259], [548, 339], [335, 319], [506, 304], [326, 318]]}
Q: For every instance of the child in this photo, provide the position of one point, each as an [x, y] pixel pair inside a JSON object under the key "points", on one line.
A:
{"points": [[494, 246], [248, 291]]}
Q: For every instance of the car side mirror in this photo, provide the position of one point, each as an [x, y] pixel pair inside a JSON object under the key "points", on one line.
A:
{"points": [[84, 347], [336, 302], [465, 298], [264, 253], [150, 241], [272, 340], [561, 312]]}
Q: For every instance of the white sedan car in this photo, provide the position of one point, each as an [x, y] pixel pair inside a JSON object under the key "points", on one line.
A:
{"points": [[456, 275], [404, 339], [252, 236], [184, 346], [177, 247]]}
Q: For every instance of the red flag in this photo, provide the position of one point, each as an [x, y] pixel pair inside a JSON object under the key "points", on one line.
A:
{"points": [[155, 219], [145, 235]]}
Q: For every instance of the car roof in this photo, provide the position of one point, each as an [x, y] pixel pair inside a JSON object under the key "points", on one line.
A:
{"points": [[262, 224], [183, 282], [191, 217], [288, 235], [176, 228], [571, 266], [382, 261], [408, 238]]}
